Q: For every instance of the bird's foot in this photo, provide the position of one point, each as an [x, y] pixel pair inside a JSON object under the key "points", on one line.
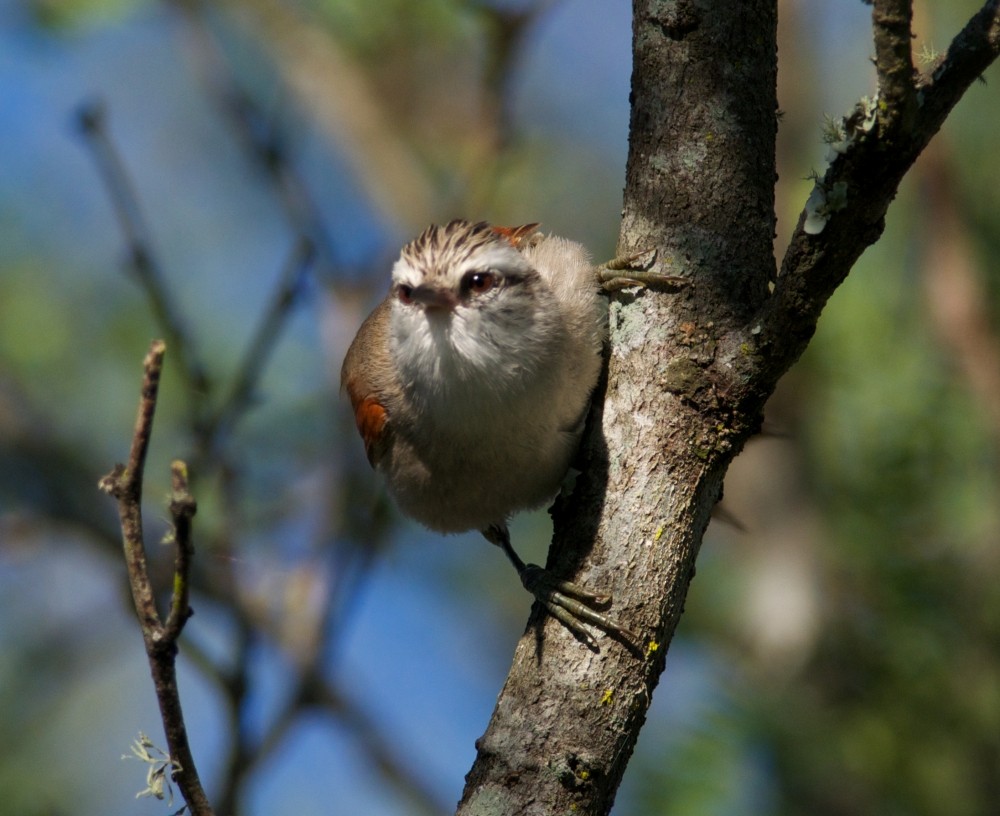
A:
{"points": [[571, 604], [634, 270]]}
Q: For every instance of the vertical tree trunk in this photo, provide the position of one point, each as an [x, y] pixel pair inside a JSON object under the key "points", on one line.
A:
{"points": [[699, 190]]}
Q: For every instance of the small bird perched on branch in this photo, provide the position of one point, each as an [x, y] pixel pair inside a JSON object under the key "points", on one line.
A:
{"points": [[472, 379]]}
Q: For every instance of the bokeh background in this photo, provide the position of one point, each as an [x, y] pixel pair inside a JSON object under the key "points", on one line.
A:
{"points": [[840, 653]]}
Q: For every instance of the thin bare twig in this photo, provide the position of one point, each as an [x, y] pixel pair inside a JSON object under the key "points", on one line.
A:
{"points": [[263, 342], [124, 483], [208, 428], [182, 510], [92, 122], [257, 131]]}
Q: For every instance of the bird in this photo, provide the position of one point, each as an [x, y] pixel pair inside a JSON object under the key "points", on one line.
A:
{"points": [[472, 379]]}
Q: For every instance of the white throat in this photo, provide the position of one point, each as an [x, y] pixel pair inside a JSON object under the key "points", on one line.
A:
{"points": [[472, 353]]}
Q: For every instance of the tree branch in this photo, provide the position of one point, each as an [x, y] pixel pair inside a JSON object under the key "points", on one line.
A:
{"points": [[182, 510], [124, 483], [868, 172], [209, 428], [265, 338], [891, 20], [257, 131], [92, 122]]}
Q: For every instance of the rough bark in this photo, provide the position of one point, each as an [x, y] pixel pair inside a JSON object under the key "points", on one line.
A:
{"points": [[689, 371]]}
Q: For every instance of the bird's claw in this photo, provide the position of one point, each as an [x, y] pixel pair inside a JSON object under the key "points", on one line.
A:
{"points": [[634, 270], [571, 604]]}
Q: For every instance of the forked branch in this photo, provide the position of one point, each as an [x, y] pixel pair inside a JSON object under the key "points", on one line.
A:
{"points": [[882, 140], [124, 483]]}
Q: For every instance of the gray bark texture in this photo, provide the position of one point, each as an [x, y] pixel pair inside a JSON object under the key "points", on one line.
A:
{"points": [[690, 369]]}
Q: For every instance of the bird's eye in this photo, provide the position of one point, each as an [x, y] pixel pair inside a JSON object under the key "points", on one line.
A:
{"points": [[478, 283], [405, 293]]}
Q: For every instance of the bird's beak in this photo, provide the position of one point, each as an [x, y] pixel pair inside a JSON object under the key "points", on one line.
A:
{"points": [[433, 298]]}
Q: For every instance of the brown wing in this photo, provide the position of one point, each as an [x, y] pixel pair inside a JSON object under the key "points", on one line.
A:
{"points": [[368, 377]]}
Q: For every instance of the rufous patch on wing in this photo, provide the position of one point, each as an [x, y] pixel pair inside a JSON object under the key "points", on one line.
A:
{"points": [[516, 234], [369, 416]]}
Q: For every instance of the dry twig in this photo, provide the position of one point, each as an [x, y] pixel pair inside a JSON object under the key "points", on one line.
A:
{"points": [[124, 483]]}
